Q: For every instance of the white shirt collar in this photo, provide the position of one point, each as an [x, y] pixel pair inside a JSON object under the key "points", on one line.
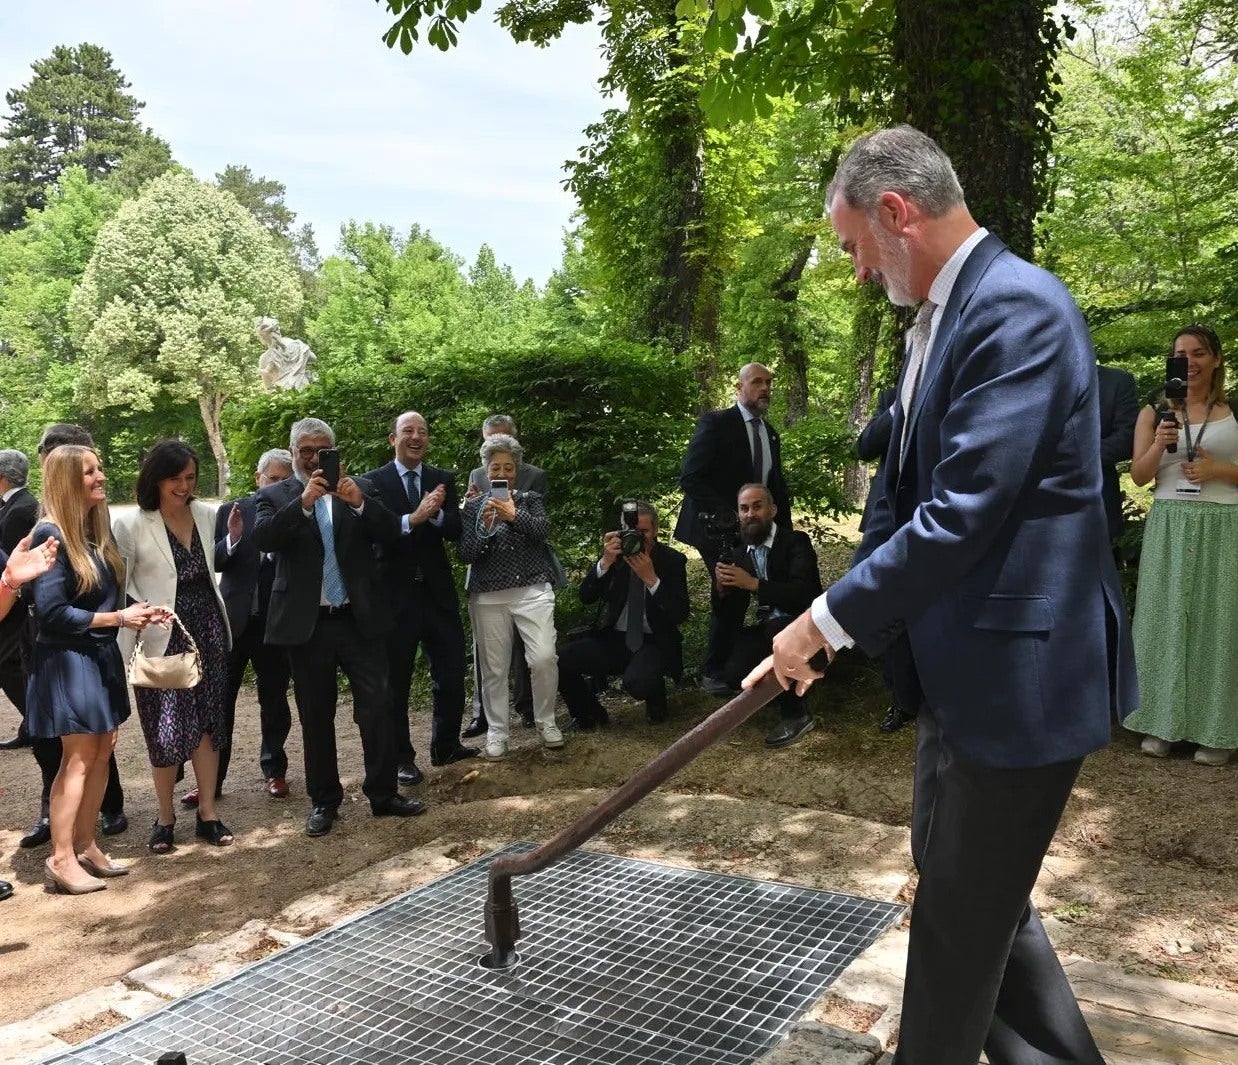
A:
{"points": [[943, 283], [11, 493], [748, 415], [401, 469]]}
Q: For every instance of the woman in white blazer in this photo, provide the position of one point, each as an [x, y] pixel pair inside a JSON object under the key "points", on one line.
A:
{"points": [[168, 547]]}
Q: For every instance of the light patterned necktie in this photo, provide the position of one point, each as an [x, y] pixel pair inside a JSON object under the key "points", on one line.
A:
{"points": [[332, 579], [915, 363]]}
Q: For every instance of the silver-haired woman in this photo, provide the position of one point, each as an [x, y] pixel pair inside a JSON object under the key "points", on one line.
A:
{"points": [[504, 540]]}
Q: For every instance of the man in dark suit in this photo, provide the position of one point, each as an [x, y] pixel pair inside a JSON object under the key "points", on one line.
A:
{"points": [[872, 445], [529, 478], [330, 610], [986, 563], [18, 512], [15, 522], [643, 601], [245, 578], [777, 573], [1119, 410], [730, 448], [416, 575]]}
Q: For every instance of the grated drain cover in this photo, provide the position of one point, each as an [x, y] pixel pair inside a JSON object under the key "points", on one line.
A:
{"points": [[623, 962]]}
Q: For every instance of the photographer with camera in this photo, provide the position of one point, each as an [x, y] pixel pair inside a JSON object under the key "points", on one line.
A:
{"points": [[643, 588], [777, 574], [1185, 610]]}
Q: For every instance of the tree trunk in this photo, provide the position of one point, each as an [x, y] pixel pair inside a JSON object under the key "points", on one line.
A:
{"points": [[211, 406], [865, 336], [977, 80]]}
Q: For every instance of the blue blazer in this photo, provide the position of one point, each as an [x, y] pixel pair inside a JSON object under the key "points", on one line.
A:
{"points": [[987, 548]]}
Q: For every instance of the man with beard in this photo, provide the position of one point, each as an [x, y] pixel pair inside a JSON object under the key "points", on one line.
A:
{"points": [[729, 448], [644, 600], [777, 574], [985, 569]]}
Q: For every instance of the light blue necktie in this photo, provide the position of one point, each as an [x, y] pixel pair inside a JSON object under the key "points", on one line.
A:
{"points": [[760, 561], [332, 581]]}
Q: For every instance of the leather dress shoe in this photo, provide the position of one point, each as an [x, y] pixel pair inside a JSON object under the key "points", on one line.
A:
{"points": [[113, 824], [786, 733], [460, 754], [526, 718], [716, 686], [894, 720], [16, 743], [410, 774], [476, 727], [398, 806], [41, 833], [277, 787], [6, 889], [320, 820]]}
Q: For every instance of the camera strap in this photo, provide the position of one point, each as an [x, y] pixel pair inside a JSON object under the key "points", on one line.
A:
{"points": [[1193, 446]]}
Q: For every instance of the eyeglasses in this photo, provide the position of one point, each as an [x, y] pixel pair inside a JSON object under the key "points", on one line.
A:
{"points": [[308, 452]]}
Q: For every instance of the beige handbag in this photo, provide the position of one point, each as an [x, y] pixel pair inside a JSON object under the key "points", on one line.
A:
{"points": [[182, 670]]}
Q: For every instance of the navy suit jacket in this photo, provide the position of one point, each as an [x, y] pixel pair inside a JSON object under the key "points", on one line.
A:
{"points": [[1119, 410], [987, 548], [717, 464], [296, 589], [422, 549], [243, 570]]}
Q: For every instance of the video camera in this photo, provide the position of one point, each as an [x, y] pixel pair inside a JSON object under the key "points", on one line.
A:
{"points": [[631, 539], [721, 529], [1176, 368]]}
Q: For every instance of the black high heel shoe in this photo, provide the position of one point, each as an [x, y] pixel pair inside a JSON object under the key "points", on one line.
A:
{"points": [[214, 832], [160, 841]]}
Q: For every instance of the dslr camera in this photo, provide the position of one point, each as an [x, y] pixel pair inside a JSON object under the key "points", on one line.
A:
{"points": [[721, 529], [631, 539]]}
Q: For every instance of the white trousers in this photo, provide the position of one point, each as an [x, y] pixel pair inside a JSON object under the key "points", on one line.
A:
{"points": [[532, 612]]}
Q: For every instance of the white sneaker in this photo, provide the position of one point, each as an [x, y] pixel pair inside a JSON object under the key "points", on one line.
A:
{"points": [[1213, 755], [1155, 746], [494, 751], [551, 736]]}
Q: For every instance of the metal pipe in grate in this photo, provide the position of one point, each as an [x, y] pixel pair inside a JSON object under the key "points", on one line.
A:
{"points": [[502, 916]]}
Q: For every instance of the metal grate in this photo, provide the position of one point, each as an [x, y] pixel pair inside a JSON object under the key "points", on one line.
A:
{"points": [[623, 962]]}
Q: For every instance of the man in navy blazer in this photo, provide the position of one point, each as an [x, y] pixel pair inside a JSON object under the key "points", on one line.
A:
{"points": [[986, 564], [1119, 410], [330, 610], [416, 574], [245, 578], [722, 456]]}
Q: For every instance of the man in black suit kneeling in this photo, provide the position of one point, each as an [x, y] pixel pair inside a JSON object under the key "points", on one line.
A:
{"points": [[644, 600], [329, 609], [778, 574]]}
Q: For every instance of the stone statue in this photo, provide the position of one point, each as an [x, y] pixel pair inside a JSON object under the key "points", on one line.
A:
{"points": [[285, 363]]}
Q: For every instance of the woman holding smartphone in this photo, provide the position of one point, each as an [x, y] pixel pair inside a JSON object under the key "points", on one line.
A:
{"points": [[504, 539], [168, 545], [1186, 613]]}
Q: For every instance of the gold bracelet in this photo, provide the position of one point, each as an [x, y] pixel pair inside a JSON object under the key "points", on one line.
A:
{"points": [[14, 588]]}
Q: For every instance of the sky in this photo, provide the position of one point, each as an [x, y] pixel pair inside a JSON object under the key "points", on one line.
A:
{"points": [[468, 144]]}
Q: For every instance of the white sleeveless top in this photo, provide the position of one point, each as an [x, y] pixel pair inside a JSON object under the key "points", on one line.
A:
{"points": [[1221, 442]]}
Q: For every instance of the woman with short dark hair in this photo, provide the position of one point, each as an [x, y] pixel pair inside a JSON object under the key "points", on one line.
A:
{"points": [[169, 548]]}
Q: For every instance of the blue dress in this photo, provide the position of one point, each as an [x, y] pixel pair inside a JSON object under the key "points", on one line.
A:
{"points": [[77, 683]]}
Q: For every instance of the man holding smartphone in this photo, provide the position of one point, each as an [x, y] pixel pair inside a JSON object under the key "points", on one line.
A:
{"points": [[416, 575], [330, 610]]}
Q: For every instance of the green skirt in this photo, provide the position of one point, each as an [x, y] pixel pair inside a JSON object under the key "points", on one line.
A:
{"points": [[1186, 624]]}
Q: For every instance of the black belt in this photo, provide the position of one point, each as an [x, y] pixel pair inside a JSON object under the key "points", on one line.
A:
{"points": [[334, 611]]}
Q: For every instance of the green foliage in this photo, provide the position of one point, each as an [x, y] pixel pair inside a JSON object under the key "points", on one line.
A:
{"points": [[606, 421], [165, 311], [73, 112], [1143, 229]]}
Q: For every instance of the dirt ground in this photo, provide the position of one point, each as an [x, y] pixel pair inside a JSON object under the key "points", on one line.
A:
{"points": [[1142, 873]]}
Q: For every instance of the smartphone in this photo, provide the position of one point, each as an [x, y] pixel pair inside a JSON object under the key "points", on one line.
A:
{"points": [[329, 467], [1176, 369], [498, 490]]}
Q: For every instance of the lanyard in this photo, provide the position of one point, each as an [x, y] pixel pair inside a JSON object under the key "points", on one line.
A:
{"points": [[1192, 448]]}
